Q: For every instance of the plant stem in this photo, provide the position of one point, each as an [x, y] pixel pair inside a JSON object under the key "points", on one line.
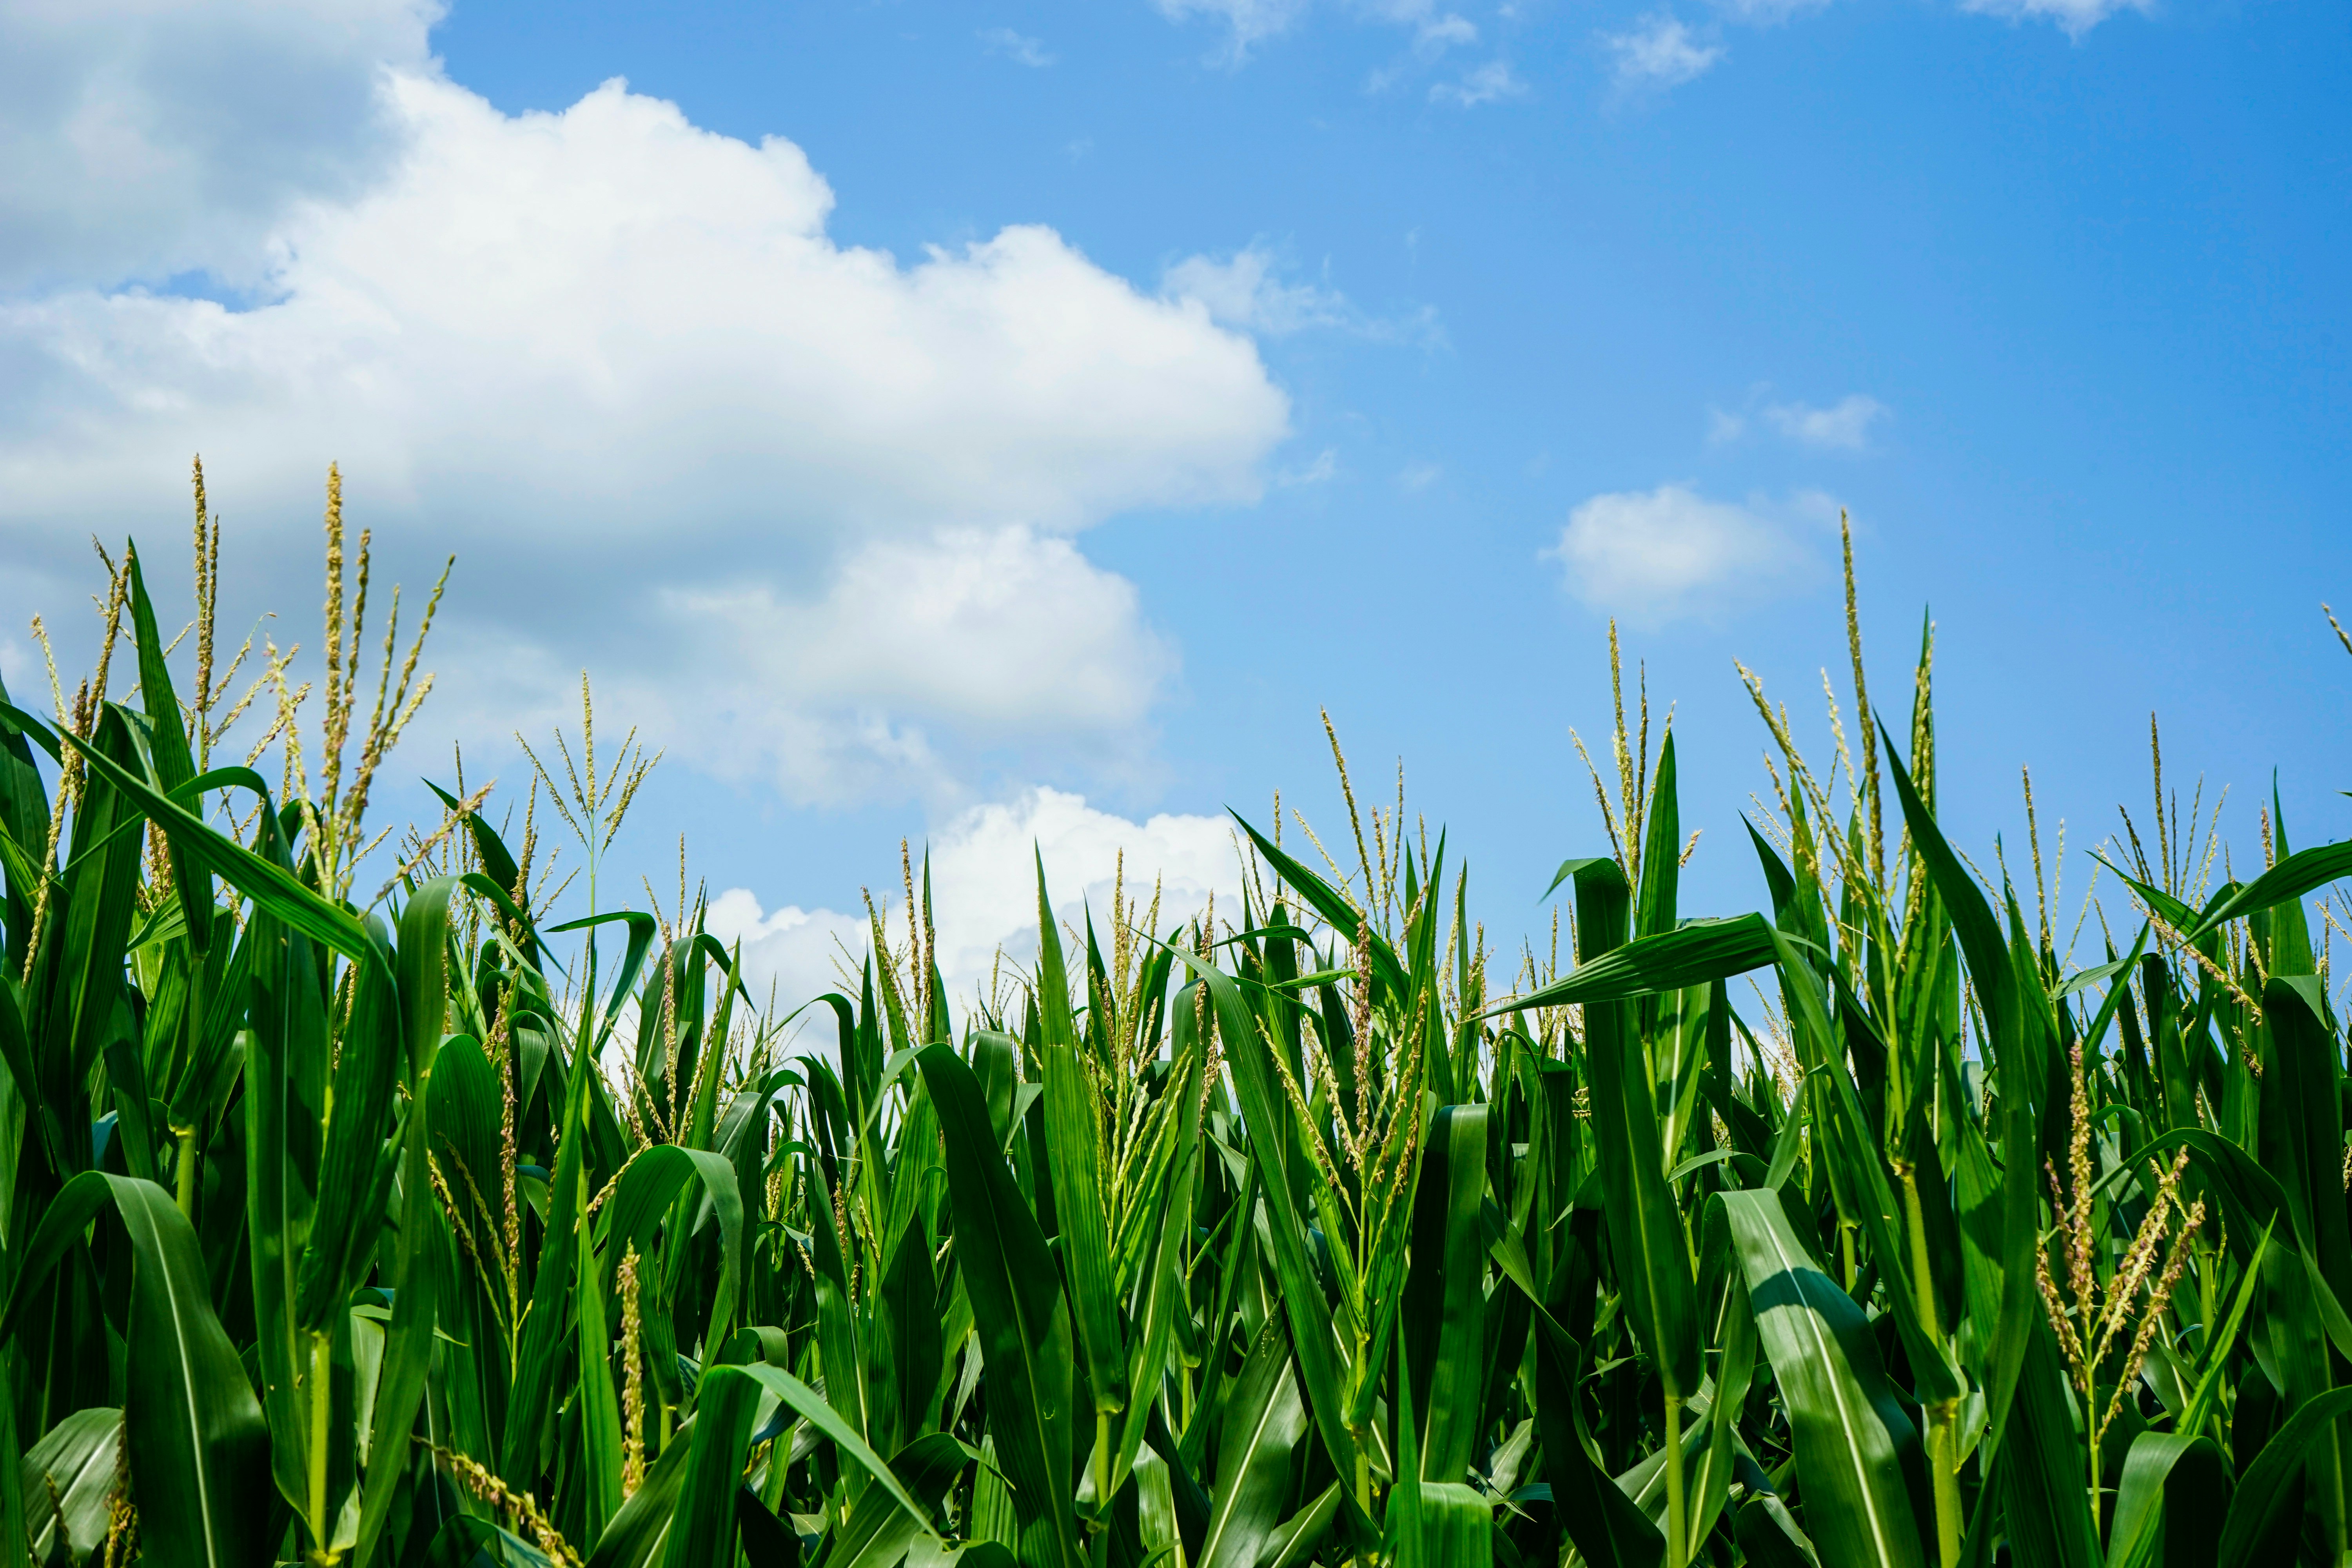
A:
{"points": [[187, 1183], [322, 1416], [1677, 1549], [1102, 1470], [1943, 1450], [1943, 1414]]}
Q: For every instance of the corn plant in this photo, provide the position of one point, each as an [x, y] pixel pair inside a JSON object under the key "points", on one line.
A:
{"points": [[416, 1224]]}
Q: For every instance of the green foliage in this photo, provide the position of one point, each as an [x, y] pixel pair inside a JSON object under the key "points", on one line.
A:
{"points": [[1861, 1230]]}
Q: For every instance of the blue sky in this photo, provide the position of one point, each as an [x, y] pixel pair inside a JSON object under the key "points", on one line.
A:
{"points": [[1079, 396]]}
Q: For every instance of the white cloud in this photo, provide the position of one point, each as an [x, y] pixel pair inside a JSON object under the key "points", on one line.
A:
{"points": [[1654, 555], [1418, 476], [993, 638], [1489, 83], [1660, 52], [609, 323], [1247, 21], [984, 889], [1324, 467], [1016, 47], [1844, 426], [618, 362], [1245, 291], [142, 137], [2075, 17], [1439, 32]]}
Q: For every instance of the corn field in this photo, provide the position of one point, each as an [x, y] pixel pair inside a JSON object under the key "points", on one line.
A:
{"points": [[406, 1225]]}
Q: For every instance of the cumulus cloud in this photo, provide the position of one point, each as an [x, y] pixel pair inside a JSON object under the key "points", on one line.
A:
{"points": [[143, 138], [1001, 637], [1659, 52], [1654, 555], [984, 886], [607, 320], [671, 425]]}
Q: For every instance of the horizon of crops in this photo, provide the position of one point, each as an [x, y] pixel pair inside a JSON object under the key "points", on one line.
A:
{"points": [[393, 1222]]}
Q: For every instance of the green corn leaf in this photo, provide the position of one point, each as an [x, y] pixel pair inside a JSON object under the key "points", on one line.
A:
{"points": [[1850, 1432], [1262, 1422], [1444, 1302], [354, 1175], [2285, 883], [1074, 1129], [702, 1529], [840, 1342], [638, 1533], [2266, 1486], [1692, 954], [648, 1191], [2172, 1491], [276, 889], [1605, 1525], [2303, 1122], [1768, 1535], [1295, 1542], [465, 1542], [1654, 900], [813, 1408], [198, 1448], [1018, 1305], [68, 1474], [414, 1272], [1264, 1107], [880, 1528], [1645, 1229], [168, 745], [1333, 907], [536, 1393]]}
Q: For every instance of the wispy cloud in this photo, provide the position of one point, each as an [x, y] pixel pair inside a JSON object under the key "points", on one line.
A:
{"points": [[1660, 52], [1490, 83], [2075, 17], [1844, 425], [1248, 23], [1767, 13], [1841, 427], [1438, 34], [1324, 468], [1247, 289], [1434, 33], [1017, 48]]}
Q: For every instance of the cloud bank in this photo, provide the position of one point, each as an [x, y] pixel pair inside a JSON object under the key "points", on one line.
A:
{"points": [[670, 424], [983, 885]]}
